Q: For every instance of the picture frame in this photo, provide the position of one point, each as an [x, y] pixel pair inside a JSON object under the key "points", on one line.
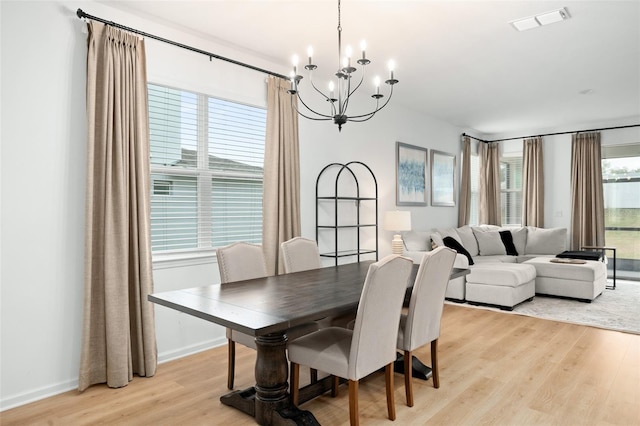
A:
{"points": [[411, 175], [443, 179]]}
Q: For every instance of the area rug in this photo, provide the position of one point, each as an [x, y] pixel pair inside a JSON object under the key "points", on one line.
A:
{"points": [[617, 309]]}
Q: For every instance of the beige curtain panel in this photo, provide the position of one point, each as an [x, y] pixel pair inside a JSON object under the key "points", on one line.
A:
{"points": [[532, 183], [489, 185], [587, 193], [464, 212], [281, 200], [118, 335]]}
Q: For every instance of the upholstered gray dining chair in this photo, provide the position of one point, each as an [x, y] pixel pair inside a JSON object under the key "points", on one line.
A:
{"points": [[421, 324], [243, 261], [371, 345], [300, 254]]}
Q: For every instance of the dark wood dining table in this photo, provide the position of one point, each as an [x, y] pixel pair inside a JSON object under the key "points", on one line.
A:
{"points": [[266, 308]]}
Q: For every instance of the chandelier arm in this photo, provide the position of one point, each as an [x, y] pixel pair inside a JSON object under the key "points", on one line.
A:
{"points": [[359, 83], [370, 114], [327, 117], [333, 107], [310, 118], [364, 119], [345, 104]]}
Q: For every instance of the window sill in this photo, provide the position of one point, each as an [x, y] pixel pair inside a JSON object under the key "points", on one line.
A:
{"points": [[173, 260]]}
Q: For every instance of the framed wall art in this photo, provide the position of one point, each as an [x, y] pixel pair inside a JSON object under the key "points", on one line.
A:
{"points": [[443, 179], [411, 175]]}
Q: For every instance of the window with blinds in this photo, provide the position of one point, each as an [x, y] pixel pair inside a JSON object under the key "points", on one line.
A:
{"points": [[474, 214], [511, 190], [207, 158]]}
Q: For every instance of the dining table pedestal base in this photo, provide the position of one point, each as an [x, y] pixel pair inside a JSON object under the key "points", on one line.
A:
{"points": [[268, 401], [419, 370]]}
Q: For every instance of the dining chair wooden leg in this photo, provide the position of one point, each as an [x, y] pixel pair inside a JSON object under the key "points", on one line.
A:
{"points": [[391, 403], [294, 386], [314, 375], [408, 379], [231, 363], [353, 403], [434, 364], [335, 383]]}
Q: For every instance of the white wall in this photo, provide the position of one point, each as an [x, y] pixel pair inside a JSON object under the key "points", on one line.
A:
{"points": [[43, 151]]}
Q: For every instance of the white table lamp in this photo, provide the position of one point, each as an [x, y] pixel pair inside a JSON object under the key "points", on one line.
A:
{"points": [[397, 221]]}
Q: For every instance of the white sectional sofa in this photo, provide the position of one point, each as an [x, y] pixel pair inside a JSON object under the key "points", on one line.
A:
{"points": [[486, 246]]}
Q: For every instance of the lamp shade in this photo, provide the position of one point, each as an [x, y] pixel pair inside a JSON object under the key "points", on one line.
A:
{"points": [[397, 221]]}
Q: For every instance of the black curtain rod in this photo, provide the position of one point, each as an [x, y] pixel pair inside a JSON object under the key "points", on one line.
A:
{"points": [[82, 15], [553, 134]]}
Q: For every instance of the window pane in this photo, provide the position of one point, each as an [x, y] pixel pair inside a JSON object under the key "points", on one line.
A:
{"points": [[474, 214], [174, 223], [237, 211], [511, 190], [621, 177], [236, 137], [173, 126]]}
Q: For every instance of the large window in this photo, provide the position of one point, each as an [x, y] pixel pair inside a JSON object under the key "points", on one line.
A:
{"points": [[474, 214], [621, 184], [207, 160], [511, 190]]}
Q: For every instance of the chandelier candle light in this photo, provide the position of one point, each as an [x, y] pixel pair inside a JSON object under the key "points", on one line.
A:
{"points": [[340, 104]]}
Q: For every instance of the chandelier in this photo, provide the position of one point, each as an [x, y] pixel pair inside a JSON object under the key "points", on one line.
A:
{"points": [[340, 94]]}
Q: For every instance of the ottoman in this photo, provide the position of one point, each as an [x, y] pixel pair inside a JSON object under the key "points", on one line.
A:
{"points": [[582, 281], [500, 284]]}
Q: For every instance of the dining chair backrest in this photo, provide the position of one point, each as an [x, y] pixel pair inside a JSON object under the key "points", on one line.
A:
{"points": [[375, 332], [300, 254], [427, 298], [241, 261]]}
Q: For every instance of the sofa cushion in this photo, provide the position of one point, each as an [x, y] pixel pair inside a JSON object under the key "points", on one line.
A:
{"points": [[468, 239], [452, 243], [438, 234], [519, 239], [509, 275], [545, 241], [496, 258], [489, 242], [417, 240]]}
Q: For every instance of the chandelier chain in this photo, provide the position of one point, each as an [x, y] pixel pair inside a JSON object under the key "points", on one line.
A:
{"points": [[339, 35]]}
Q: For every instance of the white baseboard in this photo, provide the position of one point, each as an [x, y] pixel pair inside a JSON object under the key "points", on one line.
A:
{"points": [[37, 394], [190, 350], [47, 391]]}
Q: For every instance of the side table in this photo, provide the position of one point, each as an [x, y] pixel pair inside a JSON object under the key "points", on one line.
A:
{"points": [[603, 249]]}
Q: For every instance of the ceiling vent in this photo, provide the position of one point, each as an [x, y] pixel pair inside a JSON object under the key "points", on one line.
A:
{"points": [[540, 19]]}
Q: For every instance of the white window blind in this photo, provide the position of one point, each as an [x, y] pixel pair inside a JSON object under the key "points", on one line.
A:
{"points": [[511, 190], [207, 160], [474, 215]]}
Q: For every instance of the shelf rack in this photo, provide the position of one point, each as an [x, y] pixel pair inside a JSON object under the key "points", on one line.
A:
{"points": [[344, 171]]}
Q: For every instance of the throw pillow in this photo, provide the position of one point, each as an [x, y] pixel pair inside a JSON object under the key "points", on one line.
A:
{"points": [[416, 240], [436, 239], [468, 240], [449, 232], [507, 240], [489, 242], [546, 241], [453, 244], [519, 239]]}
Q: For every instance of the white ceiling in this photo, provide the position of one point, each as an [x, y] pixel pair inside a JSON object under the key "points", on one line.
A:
{"points": [[460, 61]]}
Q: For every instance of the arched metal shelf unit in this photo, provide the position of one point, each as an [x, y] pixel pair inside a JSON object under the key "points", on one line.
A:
{"points": [[353, 223]]}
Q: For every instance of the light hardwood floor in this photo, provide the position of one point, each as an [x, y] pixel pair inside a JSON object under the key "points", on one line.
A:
{"points": [[495, 368]]}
